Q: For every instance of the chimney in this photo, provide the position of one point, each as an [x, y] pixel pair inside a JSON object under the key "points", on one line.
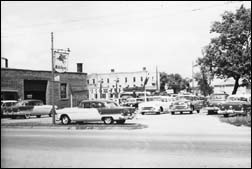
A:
{"points": [[144, 68], [79, 67], [5, 60], [112, 70]]}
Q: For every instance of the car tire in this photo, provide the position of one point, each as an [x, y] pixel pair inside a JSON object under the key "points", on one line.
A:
{"points": [[108, 120], [226, 115], [142, 113], [65, 120], [172, 112], [198, 111], [157, 112], [191, 112], [181, 112], [38, 116], [120, 121]]}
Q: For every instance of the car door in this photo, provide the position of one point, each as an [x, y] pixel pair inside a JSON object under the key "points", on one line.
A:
{"points": [[41, 109], [86, 111]]}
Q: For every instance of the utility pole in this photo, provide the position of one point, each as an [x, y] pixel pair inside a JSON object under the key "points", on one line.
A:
{"points": [[157, 79], [53, 106]]}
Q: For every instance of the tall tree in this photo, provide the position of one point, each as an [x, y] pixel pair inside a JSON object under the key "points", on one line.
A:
{"points": [[204, 81], [229, 54]]}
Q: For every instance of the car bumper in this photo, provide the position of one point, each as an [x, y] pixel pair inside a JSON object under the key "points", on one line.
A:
{"points": [[231, 112], [181, 110]]}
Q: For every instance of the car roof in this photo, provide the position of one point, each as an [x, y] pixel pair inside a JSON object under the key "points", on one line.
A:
{"points": [[8, 101], [100, 100], [29, 100]]}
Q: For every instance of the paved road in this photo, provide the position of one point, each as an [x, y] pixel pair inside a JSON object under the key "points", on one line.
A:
{"points": [[169, 141]]}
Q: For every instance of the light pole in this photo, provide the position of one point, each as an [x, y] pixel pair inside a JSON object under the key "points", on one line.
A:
{"points": [[101, 82], [116, 89], [53, 106]]}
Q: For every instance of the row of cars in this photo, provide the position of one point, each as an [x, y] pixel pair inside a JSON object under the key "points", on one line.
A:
{"points": [[110, 112], [219, 103], [88, 110], [162, 104]]}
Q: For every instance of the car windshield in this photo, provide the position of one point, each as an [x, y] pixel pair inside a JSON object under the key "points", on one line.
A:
{"points": [[237, 99], [184, 98], [29, 103], [218, 97], [154, 99], [111, 104], [21, 103]]}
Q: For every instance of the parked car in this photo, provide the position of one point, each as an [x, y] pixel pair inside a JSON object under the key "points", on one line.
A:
{"points": [[155, 105], [5, 104], [27, 108], [187, 103], [96, 110], [214, 102], [132, 102], [235, 105]]}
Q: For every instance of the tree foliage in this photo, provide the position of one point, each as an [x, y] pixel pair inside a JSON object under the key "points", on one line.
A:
{"points": [[229, 54], [173, 81]]}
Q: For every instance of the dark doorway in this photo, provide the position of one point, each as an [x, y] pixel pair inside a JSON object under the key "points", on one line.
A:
{"points": [[35, 89]]}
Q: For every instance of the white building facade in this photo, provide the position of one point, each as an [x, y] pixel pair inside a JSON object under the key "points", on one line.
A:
{"points": [[227, 86], [110, 85]]}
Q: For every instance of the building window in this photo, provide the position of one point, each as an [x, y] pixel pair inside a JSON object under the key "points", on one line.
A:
{"points": [[134, 79], [107, 80], [93, 81], [125, 79], [87, 81], [63, 91], [141, 78]]}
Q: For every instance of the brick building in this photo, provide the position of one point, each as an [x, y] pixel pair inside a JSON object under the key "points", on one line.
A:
{"points": [[69, 89]]}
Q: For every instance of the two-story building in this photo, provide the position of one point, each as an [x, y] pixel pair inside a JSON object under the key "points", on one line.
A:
{"points": [[110, 85]]}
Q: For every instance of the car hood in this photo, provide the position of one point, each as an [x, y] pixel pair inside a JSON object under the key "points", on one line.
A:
{"points": [[150, 103]]}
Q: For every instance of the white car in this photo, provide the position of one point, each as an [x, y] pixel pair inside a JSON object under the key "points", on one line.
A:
{"points": [[96, 110], [156, 105], [27, 108]]}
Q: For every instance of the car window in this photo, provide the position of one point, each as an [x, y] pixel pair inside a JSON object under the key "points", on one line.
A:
{"points": [[98, 105], [111, 105], [8, 104], [86, 105]]}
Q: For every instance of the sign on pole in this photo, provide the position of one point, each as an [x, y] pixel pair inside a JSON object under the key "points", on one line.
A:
{"points": [[60, 61]]}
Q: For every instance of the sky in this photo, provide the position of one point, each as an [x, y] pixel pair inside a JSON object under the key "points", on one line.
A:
{"points": [[104, 35]]}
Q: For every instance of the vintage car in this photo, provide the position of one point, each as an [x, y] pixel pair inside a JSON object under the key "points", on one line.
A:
{"points": [[132, 102], [214, 102], [5, 104], [96, 110], [27, 108], [186, 103], [155, 105], [235, 105]]}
